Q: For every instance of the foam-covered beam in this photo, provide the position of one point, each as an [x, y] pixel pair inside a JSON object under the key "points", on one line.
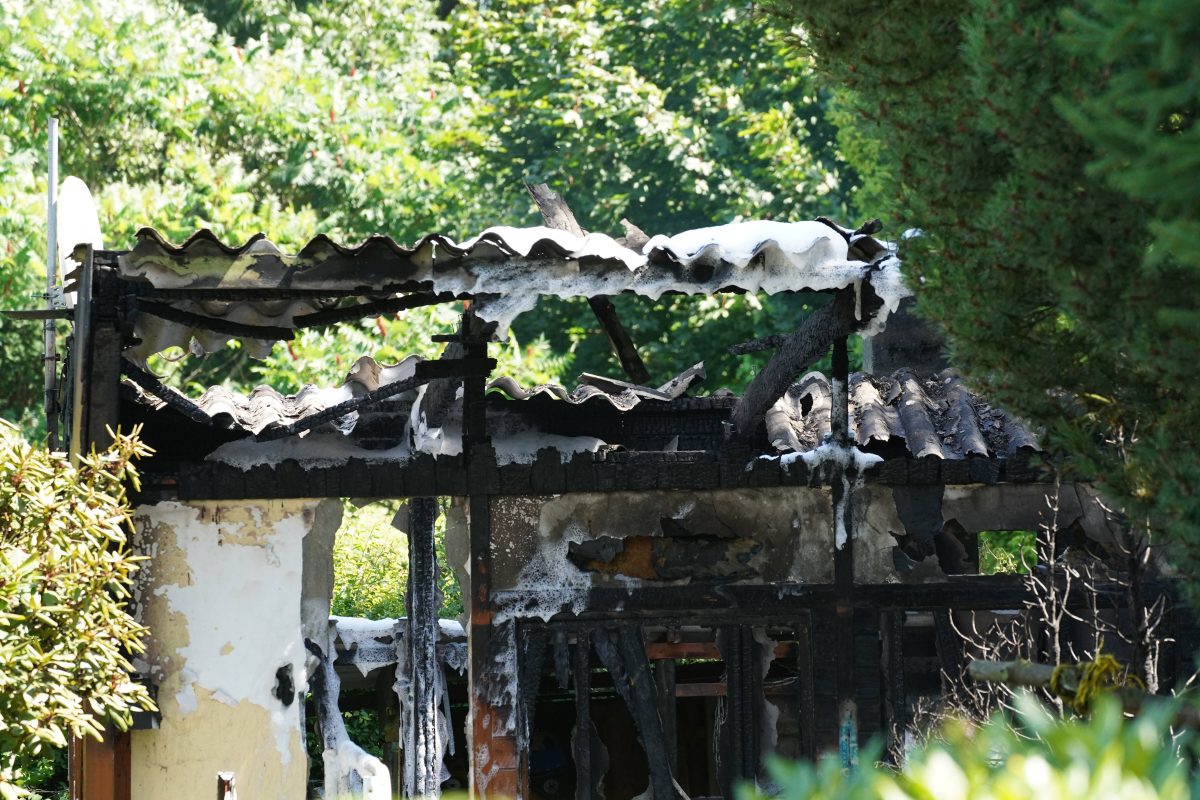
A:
{"points": [[556, 214], [796, 353]]}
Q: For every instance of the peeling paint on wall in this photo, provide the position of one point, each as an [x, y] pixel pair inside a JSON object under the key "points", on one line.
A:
{"points": [[221, 595]]}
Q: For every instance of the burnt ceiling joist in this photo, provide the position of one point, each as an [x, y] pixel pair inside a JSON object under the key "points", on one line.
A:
{"points": [[558, 215]]}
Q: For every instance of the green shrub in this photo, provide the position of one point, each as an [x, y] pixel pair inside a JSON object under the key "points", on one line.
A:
{"points": [[65, 575], [1034, 755]]}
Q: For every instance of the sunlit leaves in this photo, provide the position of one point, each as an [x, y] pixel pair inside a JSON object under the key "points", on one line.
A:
{"points": [[1035, 755], [65, 577]]}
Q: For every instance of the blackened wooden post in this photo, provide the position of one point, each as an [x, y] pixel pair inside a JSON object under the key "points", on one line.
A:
{"points": [[581, 668], [895, 704], [743, 697], [843, 558], [493, 747], [626, 662], [422, 757], [806, 700]]}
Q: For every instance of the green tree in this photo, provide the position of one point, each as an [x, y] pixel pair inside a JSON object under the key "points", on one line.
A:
{"points": [[345, 118], [65, 578], [1046, 153], [674, 114]]}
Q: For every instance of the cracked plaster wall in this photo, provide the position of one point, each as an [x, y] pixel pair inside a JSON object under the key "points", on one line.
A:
{"points": [[221, 593], [795, 526]]}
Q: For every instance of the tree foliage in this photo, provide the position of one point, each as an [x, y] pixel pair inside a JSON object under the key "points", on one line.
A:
{"points": [[1047, 154], [349, 119], [65, 577]]}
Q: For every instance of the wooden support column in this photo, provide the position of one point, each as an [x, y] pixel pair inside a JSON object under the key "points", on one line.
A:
{"points": [[664, 684], [895, 718], [626, 662], [97, 770], [744, 697], [806, 700], [422, 751], [494, 759], [581, 668], [100, 770], [843, 560]]}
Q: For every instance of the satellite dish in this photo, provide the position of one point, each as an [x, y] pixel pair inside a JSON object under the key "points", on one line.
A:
{"points": [[78, 224]]}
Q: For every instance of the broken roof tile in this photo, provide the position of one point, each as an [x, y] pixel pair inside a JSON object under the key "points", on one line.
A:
{"points": [[929, 416]]}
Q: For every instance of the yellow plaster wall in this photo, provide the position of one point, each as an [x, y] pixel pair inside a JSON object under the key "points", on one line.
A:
{"points": [[220, 592]]}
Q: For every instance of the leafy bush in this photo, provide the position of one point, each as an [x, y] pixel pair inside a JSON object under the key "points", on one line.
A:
{"points": [[370, 565], [65, 575], [1035, 755], [1007, 551]]}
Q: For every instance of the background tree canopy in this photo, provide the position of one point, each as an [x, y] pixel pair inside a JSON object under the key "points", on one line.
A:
{"points": [[1048, 153], [345, 118]]}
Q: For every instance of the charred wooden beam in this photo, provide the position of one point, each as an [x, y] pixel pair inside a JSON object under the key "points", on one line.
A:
{"points": [[373, 308], [740, 733], [215, 324], [422, 667], [172, 398], [806, 696], [895, 699], [625, 660], [589, 770], [97, 767], [801, 349], [425, 372], [557, 214], [843, 560], [532, 643], [96, 360], [665, 692], [862, 246], [39, 313], [757, 345], [619, 339], [264, 294], [473, 333], [494, 753]]}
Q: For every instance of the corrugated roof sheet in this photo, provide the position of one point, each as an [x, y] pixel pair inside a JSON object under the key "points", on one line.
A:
{"points": [[930, 417], [504, 269], [265, 408], [933, 416], [755, 256]]}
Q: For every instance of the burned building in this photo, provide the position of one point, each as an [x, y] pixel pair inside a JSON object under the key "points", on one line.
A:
{"points": [[662, 587]]}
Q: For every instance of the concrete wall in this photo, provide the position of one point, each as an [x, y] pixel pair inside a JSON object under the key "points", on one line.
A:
{"points": [[221, 593]]}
